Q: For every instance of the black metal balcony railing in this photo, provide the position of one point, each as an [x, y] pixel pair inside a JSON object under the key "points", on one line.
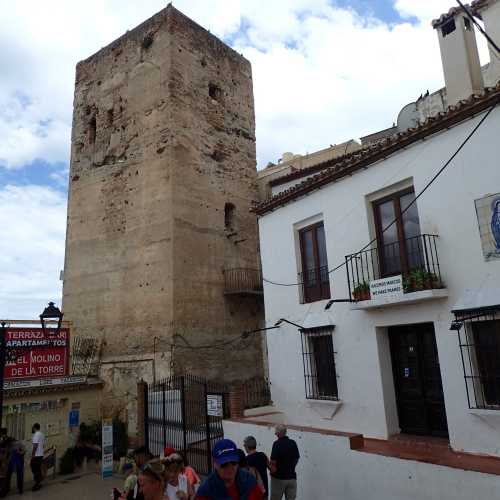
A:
{"points": [[314, 284], [416, 259], [243, 281]]}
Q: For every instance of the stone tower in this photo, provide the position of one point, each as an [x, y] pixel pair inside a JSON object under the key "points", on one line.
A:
{"points": [[163, 174]]}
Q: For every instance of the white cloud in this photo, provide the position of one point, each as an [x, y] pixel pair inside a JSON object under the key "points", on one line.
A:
{"points": [[322, 75], [31, 249]]}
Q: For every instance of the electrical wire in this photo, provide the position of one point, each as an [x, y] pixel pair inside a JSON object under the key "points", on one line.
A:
{"points": [[426, 187], [479, 27]]}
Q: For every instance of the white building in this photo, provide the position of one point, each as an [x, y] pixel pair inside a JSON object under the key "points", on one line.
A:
{"points": [[388, 363]]}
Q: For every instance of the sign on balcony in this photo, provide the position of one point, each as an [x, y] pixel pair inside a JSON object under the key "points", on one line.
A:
{"points": [[389, 288]]}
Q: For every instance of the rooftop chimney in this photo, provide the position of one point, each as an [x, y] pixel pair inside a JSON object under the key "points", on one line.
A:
{"points": [[459, 55], [489, 12]]}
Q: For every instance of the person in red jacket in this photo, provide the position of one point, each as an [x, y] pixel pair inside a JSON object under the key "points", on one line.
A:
{"points": [[227, 481]]}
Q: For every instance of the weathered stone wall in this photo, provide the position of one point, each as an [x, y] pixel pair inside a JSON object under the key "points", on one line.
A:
{"points": [[163, 138]]}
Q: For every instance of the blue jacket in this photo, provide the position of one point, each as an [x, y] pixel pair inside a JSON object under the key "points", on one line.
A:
{"points": [[213, 487]]}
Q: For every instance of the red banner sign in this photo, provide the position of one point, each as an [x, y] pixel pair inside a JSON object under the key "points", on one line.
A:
{"points": [[33, 354]]}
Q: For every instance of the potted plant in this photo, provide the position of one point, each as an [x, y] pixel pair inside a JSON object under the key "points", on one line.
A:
{"points": [[420, 279], [361, 291]]}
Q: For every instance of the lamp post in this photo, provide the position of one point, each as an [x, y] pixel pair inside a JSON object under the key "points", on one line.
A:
{"points": [[51, 313], [3, 355]]}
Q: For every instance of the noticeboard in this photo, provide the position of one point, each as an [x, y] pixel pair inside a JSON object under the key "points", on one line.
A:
{"points": [[215, 405]]}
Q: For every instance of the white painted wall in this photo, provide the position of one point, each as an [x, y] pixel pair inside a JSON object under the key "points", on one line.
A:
{"points": [[360, 339], [328, 469]]}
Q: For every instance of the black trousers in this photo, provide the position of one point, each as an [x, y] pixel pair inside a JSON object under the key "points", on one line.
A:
{"points": [[36, 469]]}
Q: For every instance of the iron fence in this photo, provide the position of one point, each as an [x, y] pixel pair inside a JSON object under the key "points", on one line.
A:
{"points": [[256, 392], [243, 281], [416, 259], [479, 340], [185, 412]]}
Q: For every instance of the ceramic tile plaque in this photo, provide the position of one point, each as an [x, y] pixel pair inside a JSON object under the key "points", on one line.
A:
{"points": [[488, 217]]}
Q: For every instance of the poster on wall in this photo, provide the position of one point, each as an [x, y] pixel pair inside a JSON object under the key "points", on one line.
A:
{"points": [[488, 218], [35, 354], [107, 450]]}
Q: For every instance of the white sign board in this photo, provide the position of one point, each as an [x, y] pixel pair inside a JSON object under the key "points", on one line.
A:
{"points": [[107, 450], [23, 384], [215, 405], [387, 287]]}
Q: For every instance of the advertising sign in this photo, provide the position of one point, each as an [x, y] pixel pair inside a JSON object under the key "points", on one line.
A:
{"points": [[33, 354], [387, 287], [107, 450]]}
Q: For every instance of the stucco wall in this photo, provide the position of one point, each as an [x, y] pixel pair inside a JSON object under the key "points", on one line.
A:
{"points": [[360, 341], [329, 469], [51, 411]]}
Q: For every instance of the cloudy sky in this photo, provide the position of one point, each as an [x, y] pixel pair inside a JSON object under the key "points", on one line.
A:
{"points": [[324, 71]]}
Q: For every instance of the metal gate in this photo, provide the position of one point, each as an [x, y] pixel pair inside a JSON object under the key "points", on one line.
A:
{"points": [[186, 413]]}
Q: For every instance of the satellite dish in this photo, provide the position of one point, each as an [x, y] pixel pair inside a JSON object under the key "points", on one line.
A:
{"points": [[408, 117]]}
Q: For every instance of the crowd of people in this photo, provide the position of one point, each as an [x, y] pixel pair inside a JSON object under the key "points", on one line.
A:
{"points": [[237, 474]]}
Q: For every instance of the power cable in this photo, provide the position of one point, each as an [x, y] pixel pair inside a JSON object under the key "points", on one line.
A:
{"points": [[479, 27], [440, 171]]}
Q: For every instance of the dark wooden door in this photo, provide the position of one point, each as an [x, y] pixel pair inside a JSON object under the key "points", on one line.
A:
{"points": [[417, 379]]}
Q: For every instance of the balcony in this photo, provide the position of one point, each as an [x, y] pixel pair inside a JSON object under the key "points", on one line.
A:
{"points": [[314, 284], [406, 271], [243, 281]]}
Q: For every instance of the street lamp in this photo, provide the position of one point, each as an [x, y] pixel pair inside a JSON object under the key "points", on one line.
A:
{"points": [[3, 353], [52, 312]]}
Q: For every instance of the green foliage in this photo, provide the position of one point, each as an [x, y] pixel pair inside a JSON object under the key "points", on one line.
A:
{"points": [[420, 279], [67, 462], [90, 434], [361, 288]]}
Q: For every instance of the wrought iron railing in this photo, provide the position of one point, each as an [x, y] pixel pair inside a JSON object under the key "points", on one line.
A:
{"points": [[478, 333], [243, 281], [314, 284], [416, 259], [256, 392]]}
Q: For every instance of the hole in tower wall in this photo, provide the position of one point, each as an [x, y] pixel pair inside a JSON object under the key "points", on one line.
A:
{"points": [[92, 130], [147, 41], [110, 116], [214, 92], [448, 27], [229, 215]]}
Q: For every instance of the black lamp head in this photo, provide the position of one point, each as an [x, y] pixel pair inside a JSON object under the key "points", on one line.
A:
{"points": [[51, 313]]}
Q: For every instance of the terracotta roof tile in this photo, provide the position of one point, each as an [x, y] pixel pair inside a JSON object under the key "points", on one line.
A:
{"points": [[349, 164], [478, 5], [445, 17]]}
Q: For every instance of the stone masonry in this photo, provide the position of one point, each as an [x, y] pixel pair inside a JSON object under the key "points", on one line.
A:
{"points": [[163, 174]]}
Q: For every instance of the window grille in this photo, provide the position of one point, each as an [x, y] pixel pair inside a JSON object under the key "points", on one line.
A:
{"points": [[320, 375], [479, 338]]}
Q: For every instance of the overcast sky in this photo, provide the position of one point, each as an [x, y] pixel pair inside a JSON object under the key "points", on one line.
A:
{"points": [[324, 71]]}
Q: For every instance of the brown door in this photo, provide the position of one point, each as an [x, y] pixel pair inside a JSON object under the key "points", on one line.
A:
{"points": [[417, 379]]}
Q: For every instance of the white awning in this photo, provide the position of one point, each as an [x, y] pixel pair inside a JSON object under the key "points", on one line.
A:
{"points": [[478, 298]]}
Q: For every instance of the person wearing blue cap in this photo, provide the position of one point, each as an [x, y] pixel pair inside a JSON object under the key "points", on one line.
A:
{"points": [[227, 481]]}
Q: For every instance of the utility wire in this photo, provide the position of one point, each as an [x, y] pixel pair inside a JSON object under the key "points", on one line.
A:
{"points": [[440, 171], [478, 26]]}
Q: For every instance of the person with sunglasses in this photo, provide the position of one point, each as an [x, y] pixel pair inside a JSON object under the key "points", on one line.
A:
{"points": [[151, 481], [227, 481]]}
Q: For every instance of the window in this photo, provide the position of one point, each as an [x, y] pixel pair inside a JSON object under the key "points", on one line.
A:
{"points": [[487, 341], [400, 245], [314, 277], [448, 27], [319, 363], [479, 337]]}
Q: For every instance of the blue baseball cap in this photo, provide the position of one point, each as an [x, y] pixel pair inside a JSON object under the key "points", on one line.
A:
{"points": [[225, 451]]}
